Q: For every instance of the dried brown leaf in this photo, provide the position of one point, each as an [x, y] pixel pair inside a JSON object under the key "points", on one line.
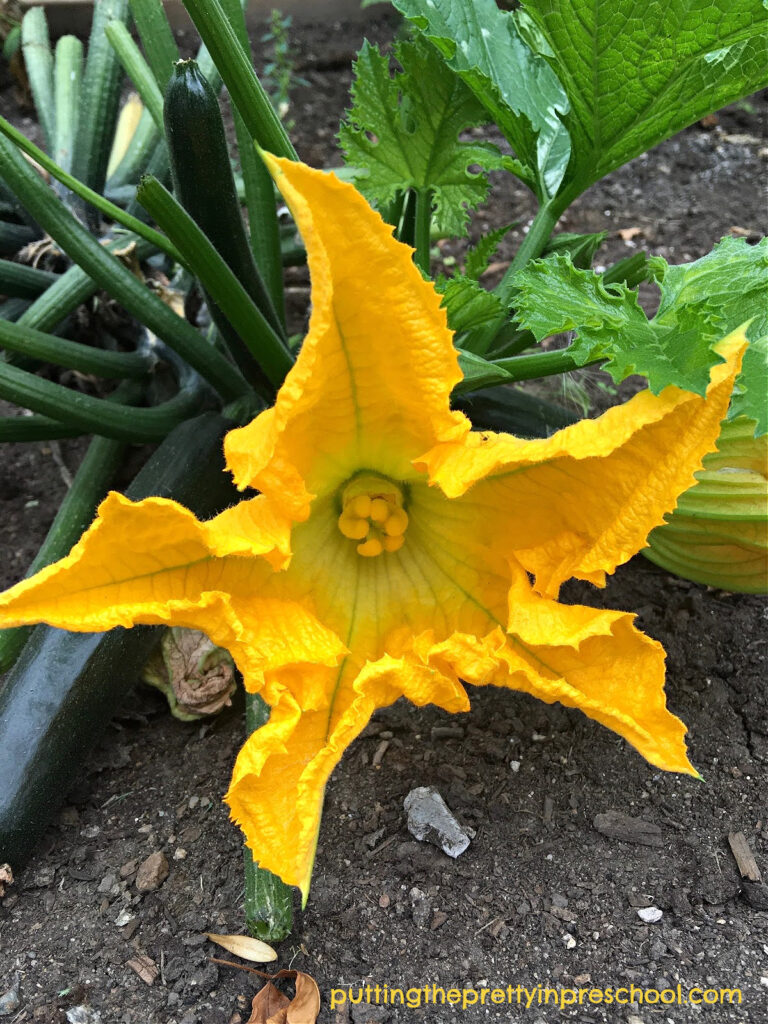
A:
{"points": [[270, 1006], [305, 1006], [246, 946]]}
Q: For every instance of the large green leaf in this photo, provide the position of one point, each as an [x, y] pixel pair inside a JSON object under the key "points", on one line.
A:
{"points": [[725, 288], [486, 47], [403, 132], [467, 304], [636, 73], [701, 302]]}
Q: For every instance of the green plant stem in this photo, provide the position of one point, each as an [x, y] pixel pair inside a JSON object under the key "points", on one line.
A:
{"points": [[159, 166], [20, 429], [36, 47], [97, 415], [262, 218], [510, 341], [21, 281], [68, 77], [110, 274], [73, 355], [100, 101], [11, 207], [541, 364], [422, 228], [394, 211], [15, 236], [532, 246], [246, 90], [482, 341], [260, 342], [155, 238], [137, 69], [76, 512], [268, 900], [72, 288], [13, 309], [259, 188], [406, 229], [156, 38]]}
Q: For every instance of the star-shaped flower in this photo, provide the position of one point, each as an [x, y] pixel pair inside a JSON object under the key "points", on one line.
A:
{"points": [[390, 550]]}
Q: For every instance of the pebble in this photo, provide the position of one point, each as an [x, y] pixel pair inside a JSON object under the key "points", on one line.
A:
{"points": [[569, 941], [650, 914], [152, 872], [83, 1015], [123, 918], [422, 911], [430, 820], [515, 766], [129, 868], [10, 1001]]}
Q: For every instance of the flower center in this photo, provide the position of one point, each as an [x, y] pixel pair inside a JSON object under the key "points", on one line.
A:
{"points": [[373, 513]]}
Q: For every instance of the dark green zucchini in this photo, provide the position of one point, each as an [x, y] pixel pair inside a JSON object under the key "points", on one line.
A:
{"points": [[203, 180], [65, 687]]}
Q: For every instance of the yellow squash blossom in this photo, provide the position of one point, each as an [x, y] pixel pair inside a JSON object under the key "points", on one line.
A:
{"points": [[390, 550]]}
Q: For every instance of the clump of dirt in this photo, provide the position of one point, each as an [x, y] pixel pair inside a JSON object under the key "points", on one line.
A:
{"points": [[546, 894]]}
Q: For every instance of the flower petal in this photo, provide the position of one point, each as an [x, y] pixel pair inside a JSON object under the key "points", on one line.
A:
{"points": [[372, 384], [153, 562], [584, 500], [278, 783], [582, 657]]}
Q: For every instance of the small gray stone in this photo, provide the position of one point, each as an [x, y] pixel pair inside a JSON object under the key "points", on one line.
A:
{"points": [[11, 1000], [124, 917], [430, 820], [650, 914], [83, 1015], [422, 911]]}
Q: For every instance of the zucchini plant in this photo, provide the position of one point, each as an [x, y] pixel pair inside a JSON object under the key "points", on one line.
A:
{"points": [[139, 201]]}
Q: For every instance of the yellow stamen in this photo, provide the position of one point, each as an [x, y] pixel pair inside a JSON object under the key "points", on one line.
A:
{"points": [[370, 548], [372, 512], [353, 527], [360, 506], [396, 524], [380, 509]]}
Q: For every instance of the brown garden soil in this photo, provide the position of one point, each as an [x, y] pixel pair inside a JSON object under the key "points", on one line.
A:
{"points": [[541, 897]]}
